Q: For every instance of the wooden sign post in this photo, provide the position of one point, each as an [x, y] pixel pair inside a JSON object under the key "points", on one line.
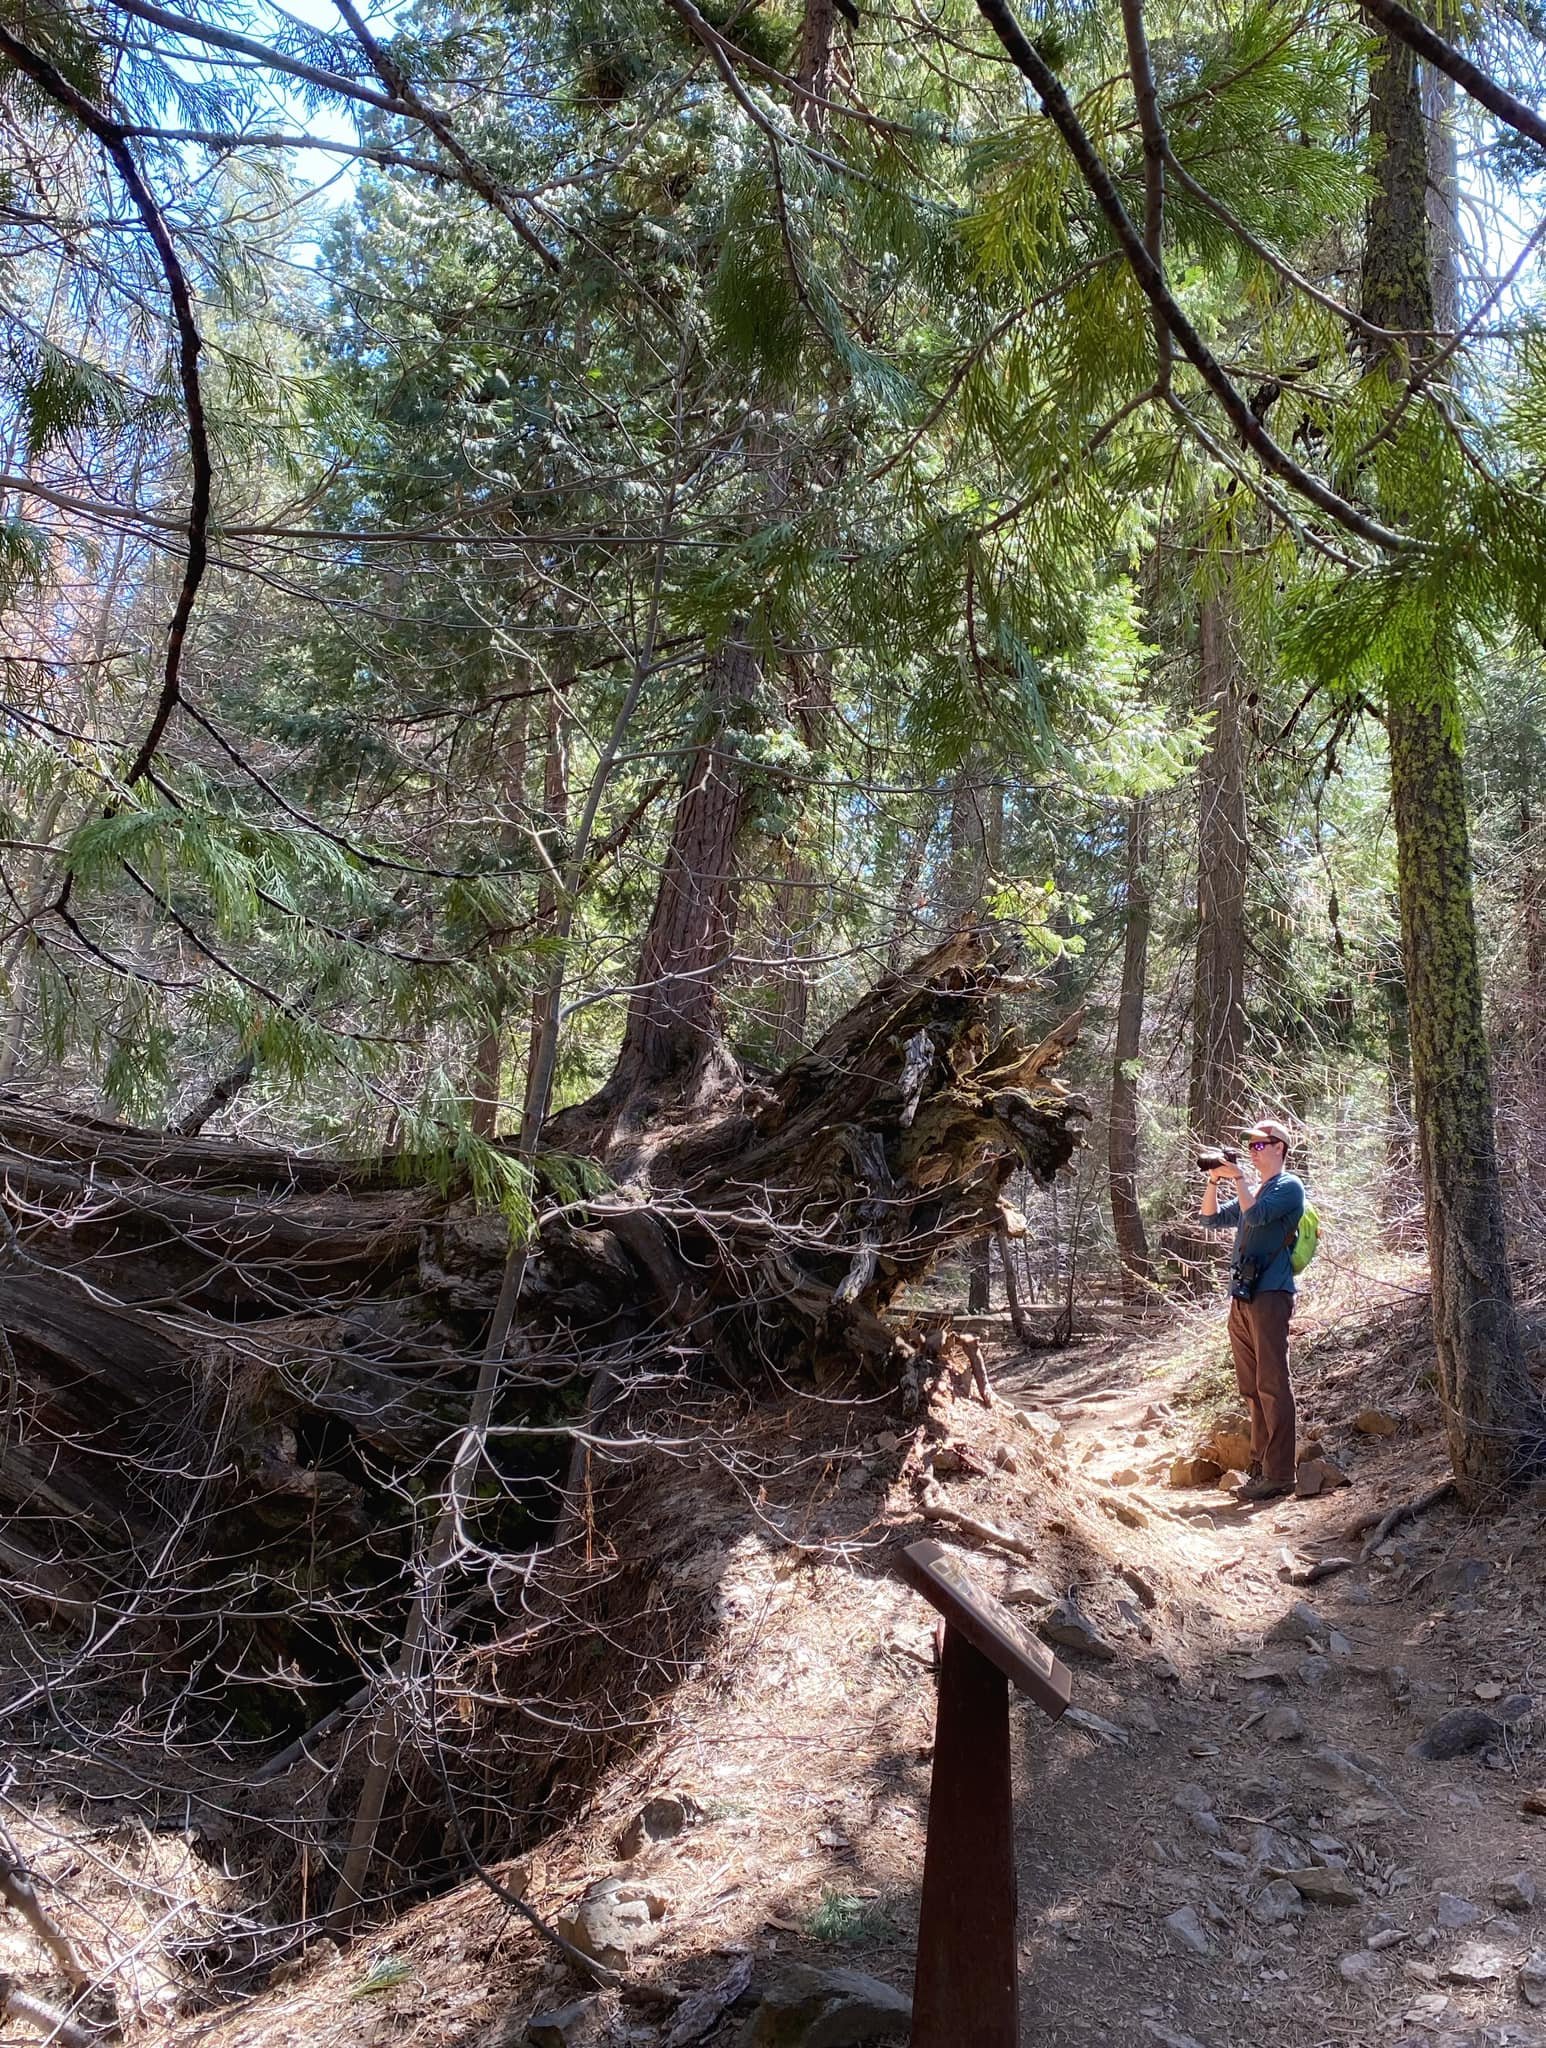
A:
{"points": [[966, 1988]]}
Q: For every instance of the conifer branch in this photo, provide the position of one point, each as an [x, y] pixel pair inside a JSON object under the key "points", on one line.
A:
{"points": [[406, 95], [1059, 109], [261, 53], [51, 81], [226, 140], [1156, 149], [1270, 256]]}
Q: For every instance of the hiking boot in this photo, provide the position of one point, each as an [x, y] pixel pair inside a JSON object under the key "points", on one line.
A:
{"points": [[1264, 1489]]}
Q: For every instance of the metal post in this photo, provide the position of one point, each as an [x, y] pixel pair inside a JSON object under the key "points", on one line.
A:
{"points": [[966, 1991]]}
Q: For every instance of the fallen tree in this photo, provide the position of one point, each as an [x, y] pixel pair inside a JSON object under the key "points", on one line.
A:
{"points": [[238, 1375]]}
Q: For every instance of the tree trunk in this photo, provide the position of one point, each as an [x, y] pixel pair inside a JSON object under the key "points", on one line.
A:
{"points": [[554, 829], [1532, 1023], [1494, 1421], [976, 841], [1218, 1015], [489, 1054], [1122, 1122], [791, 923], [904, 916], [673, 1045]]}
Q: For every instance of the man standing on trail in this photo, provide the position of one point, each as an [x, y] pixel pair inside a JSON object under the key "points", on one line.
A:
{"points": [[1262, 1291]]}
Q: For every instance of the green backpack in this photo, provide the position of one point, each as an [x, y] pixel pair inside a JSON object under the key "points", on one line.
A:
{"points": [[1305, 1241]]}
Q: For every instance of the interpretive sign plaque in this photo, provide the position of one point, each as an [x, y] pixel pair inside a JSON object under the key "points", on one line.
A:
{"points": [[966, 1988]]}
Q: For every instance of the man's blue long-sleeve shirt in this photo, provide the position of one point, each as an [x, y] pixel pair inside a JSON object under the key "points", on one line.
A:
{"points": [[1266, 1230]]}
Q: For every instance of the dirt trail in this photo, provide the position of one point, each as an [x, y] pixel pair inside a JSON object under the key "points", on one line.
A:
{"points": [[1269, 1727]]}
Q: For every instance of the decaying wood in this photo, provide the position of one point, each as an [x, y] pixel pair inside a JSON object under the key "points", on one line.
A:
{"points": [[779, 1233], [243, 1368]]}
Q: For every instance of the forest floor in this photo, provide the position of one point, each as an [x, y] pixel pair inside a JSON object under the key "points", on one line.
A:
{"points": [[1229, 1724]]}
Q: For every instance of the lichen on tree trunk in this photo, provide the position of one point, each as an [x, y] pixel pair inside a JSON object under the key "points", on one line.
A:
{"points": [[1494, 1421], [1493, 1418]]}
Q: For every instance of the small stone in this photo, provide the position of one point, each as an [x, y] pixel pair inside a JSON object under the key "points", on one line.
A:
{"points": [[613, 1918], [1026, 1590], [1127, 1476], [1276, 1902], [1317, 1476], [1188, 1932], [1456, 1733], [1323, 1885], [1228, 1445], [1300, 1621], [1453, 1912], [1534, 1802], [1070, 1629], [658, 1820], [1361, 1968], [1142, 1585], [1194, 1472], [1141, 1715], [832, 2007], [1377, 1422], [1461, 1576], [1475, 1964], [1515, 1894], [1282, 1723], [580, 2024], [1384, 1938], [1532, 1979], [1231, 1482], [1486, 1689]]}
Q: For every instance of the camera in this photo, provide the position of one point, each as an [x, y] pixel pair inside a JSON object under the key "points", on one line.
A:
{"points": [[1213, 1156]]}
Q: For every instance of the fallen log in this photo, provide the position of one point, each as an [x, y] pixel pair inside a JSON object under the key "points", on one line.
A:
{"points": [[241, 1369]]}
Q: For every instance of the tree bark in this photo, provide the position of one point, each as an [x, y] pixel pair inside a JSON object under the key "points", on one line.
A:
{"points": [[1122, 1121], [1494, 1421], [976, 842], [673, 1044], [1218, 1015]]}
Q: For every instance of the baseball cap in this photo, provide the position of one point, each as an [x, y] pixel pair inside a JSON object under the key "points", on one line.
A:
{"points": [[1269, 1127]]}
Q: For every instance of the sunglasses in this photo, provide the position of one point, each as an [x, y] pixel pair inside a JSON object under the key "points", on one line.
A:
{"points": [[1263, 1144]]}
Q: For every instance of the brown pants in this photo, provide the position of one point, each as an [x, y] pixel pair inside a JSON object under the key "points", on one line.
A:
{"points": [[1258, 1336]]}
